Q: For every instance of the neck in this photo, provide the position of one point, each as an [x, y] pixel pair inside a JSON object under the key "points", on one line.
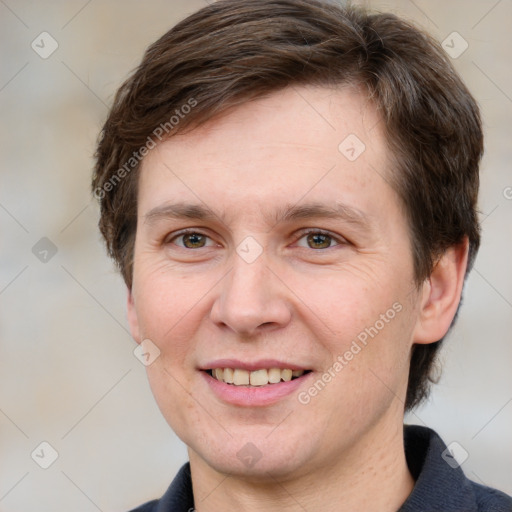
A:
{"points": [[373, 477]]}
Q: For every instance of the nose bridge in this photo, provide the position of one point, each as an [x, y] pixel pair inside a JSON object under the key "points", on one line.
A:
{"points": [[250, 298]]}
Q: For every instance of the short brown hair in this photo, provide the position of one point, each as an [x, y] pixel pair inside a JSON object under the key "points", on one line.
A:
{"points": [[233, 51]]}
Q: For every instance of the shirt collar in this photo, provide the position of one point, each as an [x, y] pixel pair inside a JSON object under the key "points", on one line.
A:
{"points": [[440, 482]]}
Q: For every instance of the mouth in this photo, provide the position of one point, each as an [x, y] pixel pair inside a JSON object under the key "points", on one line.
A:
{"points": [[256, 378], [254, 384]]}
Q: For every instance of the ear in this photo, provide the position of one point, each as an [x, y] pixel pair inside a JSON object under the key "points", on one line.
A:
{"points": [[133, 321], [441, 295]]}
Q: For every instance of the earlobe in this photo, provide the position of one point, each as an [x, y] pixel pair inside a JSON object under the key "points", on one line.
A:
{"points": [[441, 295], [133, 321]]}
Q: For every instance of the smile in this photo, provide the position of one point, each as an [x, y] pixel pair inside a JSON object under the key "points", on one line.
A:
{"points": [[256, 378]]}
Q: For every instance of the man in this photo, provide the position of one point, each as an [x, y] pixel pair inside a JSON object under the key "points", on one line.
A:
{"points": [[289, 189]]}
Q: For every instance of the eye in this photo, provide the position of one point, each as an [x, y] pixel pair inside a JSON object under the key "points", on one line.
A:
{"points": [[191, 240], [318, 240]]}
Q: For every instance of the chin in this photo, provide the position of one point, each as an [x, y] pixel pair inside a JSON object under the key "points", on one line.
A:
{"points": [[258, 458], [264, 470]]}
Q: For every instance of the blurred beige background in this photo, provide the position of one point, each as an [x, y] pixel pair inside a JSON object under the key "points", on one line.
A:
{"points": [[68, 375]]}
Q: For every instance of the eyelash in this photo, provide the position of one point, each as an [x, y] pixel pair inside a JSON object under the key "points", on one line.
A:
{"points": [[304, 233]]}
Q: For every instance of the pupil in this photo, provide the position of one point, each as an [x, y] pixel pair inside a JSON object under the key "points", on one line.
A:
{"points": [[319, 240], [194, 240]]}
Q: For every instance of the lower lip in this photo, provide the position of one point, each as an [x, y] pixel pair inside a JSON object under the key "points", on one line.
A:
{"points": [[257, 396]]}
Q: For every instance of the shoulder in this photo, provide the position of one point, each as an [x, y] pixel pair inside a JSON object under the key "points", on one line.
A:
{"points": [[441, 485], [178, 497], [491, 500], [147, 507]]}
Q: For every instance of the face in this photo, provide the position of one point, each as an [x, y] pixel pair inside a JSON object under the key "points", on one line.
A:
{"points": [[269, 243]]}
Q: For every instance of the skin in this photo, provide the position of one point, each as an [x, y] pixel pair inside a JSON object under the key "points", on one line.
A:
{"points": [[297, 302]]}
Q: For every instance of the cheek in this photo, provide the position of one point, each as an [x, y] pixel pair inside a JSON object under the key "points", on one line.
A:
{"points": [[347, 301], [376, 362], [368, 329], [174, 396], [168, 309]]}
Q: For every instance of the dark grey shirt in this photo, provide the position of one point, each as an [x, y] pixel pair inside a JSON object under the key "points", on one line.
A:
{"points": [[441, 486]]}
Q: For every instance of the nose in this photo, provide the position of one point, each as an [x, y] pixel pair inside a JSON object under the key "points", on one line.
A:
{"points": [[251, 300]]}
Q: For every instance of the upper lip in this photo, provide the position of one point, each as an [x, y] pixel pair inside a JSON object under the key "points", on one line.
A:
{"points": [[251, 365]]}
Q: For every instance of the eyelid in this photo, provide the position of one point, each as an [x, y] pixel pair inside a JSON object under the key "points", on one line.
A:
{"points": [[177, 234], [340, 240]]}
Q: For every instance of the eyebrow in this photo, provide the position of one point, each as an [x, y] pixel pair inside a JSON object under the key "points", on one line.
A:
{"points": [[179, 211], [339, 211], [287, 213]]}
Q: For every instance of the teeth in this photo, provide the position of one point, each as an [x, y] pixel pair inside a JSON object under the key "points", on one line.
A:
{"points": [[228, 376], [240, 377], [259, 378], [286, 375], [262, 377], [274, 375]]}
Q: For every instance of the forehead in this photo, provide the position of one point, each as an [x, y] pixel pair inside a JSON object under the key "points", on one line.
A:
{"points": [[304, 118], [303, 143]]}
